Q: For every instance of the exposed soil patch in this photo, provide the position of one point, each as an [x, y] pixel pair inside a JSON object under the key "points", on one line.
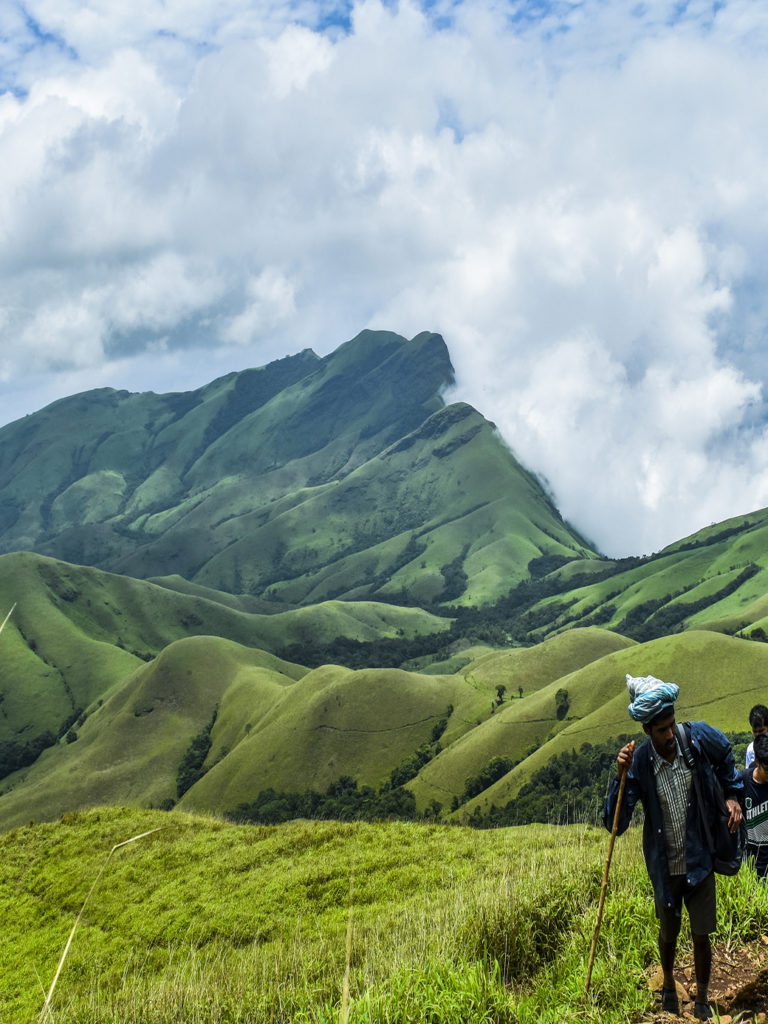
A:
{"points": [[738, 989]]}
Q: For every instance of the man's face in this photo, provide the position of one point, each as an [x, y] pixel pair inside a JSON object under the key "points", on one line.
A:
{"points": [[662, 733], [759, 730]]}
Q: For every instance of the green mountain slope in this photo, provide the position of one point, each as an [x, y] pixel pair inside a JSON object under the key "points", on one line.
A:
{"points": [[302, 481], [77, 633], [716, 578], [720, 679], [275, 725]]}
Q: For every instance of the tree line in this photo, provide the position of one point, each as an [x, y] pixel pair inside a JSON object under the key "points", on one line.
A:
{"points": [[570, 789]]}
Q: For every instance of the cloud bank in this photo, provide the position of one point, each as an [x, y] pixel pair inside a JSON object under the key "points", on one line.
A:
{"points": [[573, 194]]}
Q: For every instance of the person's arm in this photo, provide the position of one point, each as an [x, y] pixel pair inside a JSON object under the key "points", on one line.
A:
{"points": [[631, 792], [718, 749]]}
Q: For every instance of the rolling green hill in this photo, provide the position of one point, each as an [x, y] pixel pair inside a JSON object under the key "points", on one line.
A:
{"points": [[306, 480], [720, 679], [268, 724], [716, 578], [521, 723], [77, 633], [272, 724], [128, 750]]}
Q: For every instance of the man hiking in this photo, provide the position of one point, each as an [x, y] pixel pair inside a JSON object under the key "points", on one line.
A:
{"points": [[674, 844]]}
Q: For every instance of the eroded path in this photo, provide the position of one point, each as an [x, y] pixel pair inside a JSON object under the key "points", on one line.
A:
{"points": [[738, 989]]}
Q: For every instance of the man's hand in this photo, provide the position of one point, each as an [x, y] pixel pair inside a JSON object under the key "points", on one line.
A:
{"points": [[735, 819], [624, 759]]}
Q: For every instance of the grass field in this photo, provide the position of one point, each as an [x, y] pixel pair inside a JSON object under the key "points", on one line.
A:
{"points": [[214, 924]]}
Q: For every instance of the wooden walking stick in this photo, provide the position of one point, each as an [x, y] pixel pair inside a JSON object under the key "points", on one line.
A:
{"points": [[622, 782]]}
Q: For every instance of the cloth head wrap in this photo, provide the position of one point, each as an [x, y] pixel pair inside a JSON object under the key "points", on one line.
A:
{"points": [[649, 696]]}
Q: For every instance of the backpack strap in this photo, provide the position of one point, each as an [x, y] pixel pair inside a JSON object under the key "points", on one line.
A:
{"points": [[683, 730], [684, 742]]}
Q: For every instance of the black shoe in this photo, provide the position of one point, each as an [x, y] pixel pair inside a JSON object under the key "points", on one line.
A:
{"points": [[702, 1011], [669, 1001]]}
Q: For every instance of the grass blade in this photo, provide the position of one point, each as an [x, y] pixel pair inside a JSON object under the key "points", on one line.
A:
{"points": [[47, 1004], [10, 613]]}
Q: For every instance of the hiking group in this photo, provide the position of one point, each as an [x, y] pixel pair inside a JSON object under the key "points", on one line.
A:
{"points": [[701, 816]]}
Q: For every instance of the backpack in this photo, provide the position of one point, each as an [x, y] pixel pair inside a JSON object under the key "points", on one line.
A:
{"points": [[726, 848]]}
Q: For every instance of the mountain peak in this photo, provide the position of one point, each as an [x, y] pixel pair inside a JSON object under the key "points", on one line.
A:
{"points": [[302, 480]]}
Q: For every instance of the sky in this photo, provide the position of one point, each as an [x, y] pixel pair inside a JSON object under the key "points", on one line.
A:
{"points": [[574, 194]]}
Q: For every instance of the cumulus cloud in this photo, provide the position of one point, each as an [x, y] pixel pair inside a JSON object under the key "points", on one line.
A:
{"points": [[573, 194], [270, 303]]}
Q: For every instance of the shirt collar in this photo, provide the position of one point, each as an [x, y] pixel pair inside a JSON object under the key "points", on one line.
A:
{"points": [[659, 763]]}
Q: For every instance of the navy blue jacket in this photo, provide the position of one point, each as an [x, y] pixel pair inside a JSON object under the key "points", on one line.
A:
{"points": [[714, 758]]}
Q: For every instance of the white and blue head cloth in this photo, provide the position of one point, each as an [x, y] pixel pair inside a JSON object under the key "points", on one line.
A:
{"points": [[650, 696]]}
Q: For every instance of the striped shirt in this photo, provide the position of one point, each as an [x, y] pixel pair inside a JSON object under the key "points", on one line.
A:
{"points": [[673, 785]]}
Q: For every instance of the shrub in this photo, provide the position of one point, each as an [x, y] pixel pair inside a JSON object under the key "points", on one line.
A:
{"points": [[191, 767]]}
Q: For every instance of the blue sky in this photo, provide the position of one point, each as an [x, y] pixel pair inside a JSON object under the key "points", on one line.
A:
{"points": [[573, 194]]}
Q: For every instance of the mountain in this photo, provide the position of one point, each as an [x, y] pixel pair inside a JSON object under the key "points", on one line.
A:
{"points": [[302, 481], [716, 578], [319, 570]]}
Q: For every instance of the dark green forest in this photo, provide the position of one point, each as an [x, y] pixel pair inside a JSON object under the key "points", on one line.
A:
{"points": [[514, 618]]}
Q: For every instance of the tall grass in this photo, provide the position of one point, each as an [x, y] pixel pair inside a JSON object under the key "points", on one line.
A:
{"points": [[126, 842], [210, 923]]}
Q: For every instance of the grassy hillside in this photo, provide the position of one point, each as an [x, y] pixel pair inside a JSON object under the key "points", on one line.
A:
{"points": [[217, 924], [77, 635], [716, 578], [302, 481], [521, 723], [279, 726], [130, 747], [276, 725], [720, 679], [335, 723], [265, 723], [78, 631]]}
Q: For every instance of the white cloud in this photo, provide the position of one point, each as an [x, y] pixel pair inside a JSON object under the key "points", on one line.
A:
{"points": [[271, 302], [574, 195], [294, 57]]}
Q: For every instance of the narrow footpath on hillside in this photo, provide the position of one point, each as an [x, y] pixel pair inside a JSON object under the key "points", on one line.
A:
{"points": [[738, 990]]}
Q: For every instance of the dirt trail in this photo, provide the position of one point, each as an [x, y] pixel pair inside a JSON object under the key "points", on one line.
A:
{"points": [[738, 990]]}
